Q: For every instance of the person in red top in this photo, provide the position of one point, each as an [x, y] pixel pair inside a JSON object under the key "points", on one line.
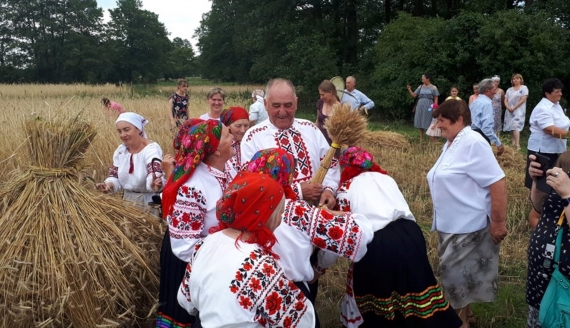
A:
{"points": [[111, 106]]}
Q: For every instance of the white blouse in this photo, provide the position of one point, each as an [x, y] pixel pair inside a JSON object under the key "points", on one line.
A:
{"points": [[460, 183], [194, 210], [545, 114], [241, 286]]}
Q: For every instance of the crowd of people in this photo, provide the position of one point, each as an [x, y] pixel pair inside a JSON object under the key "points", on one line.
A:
{"points": [[249, 232]]}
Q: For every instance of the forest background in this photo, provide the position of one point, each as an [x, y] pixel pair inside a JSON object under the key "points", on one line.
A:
{"points": [[385, 44]]}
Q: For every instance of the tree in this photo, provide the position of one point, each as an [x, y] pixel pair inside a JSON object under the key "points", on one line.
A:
{"points": [[181, 60]]}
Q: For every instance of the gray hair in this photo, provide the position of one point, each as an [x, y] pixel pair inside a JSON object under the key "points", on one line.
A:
{"points": [[273, 82], [484, 85], [496, 78], [257, 92], [352, 78]]}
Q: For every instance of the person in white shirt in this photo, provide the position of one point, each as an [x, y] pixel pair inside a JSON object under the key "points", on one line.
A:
{"points": [[257, 112], [216, 97], [469, 195], [300, 138], [548, 130], [357, 99]]}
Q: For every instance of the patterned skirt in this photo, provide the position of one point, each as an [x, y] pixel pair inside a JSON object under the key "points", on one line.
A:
{"points": [[172, 269], [469, 267], [394, 285]]}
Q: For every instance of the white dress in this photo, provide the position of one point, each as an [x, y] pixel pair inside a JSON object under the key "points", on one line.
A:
{"points": [[515, 121], [241, 286], [303, 140], [136, 185]]}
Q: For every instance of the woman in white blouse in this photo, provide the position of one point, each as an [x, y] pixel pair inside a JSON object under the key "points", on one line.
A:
{"points": [[548, 130], [136, 163], [469, 197]]}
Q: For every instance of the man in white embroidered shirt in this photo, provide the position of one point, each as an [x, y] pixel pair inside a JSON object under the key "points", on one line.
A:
{"points": [[300, 138], [354, 97], [482, 119]]}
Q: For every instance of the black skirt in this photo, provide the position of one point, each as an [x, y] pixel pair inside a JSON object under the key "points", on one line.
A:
{"points": [[172, 269], [394, 285]]}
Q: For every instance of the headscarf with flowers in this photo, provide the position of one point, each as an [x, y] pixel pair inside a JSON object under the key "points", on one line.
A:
{"points": [[277, 163], [232, 114], [247, 204], [196, 140], [355, 160]]}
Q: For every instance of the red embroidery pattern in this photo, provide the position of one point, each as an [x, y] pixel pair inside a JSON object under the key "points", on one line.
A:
{"points": [[261, 288], [253, 131], [224, 178], [235, 161], [185, 287], [292, 141], [187, 219], [336, 233], [342, 201], [114, 172], [153, 167]]}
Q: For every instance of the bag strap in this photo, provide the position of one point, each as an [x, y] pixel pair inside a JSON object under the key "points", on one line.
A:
{"points": [[560, 229]]}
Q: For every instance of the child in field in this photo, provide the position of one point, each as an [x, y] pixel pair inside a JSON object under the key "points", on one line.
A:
{"points": [[111, 106], [178, 104], [453, 93]]}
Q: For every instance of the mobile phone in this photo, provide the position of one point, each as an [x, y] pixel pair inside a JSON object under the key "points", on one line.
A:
{"points": [[544, 166]]}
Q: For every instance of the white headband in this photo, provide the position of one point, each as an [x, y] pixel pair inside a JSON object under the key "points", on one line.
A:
{"points": [[135, 119]]}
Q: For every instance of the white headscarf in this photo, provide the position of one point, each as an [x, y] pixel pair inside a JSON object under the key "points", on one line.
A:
{"points": [[135, 119]]}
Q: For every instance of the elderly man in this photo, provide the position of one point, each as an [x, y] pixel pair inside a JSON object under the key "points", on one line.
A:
{"points": [[482, 119], [257, 112], [300, 138], [357, 99]]}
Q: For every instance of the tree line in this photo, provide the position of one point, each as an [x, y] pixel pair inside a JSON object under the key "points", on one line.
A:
{"points": [[386, 44]]}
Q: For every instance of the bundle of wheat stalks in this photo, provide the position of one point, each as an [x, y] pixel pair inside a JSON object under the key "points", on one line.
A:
{"points": [[386, 139], [345, 127], [69, 256]]}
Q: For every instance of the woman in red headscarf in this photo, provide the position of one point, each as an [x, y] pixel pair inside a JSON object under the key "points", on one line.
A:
{"points": [[393, 284], [233, 278], [237, 119], [200, 176]]}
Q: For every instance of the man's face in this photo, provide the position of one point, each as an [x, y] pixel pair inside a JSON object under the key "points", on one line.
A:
{"points": [[350, 84], [281, 105]]}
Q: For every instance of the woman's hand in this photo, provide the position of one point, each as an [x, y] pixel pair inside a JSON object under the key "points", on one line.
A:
{"points": [[409, 87], [559, 181], [105, 187], [156, 183], [534, 169], [167, 165]]}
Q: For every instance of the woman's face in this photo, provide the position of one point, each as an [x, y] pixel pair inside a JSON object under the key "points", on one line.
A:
{"points": [[454, 92], [425, 80], [238, 128], [183, 88], [327, 97], [225, 146], [496, 83], [128, 133], [449, 130], [554, 96], [516, 80], [475, 89], [216, 103]]}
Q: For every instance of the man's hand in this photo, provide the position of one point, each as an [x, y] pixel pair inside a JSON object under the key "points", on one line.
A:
{"points": [[311, 191], [498, 232], [327, 198], [500, 150]]}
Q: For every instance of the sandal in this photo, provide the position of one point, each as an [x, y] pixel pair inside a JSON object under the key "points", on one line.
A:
{"points": [[471, 319]]}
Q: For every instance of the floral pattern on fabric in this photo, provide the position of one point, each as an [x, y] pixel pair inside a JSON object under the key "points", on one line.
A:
{"points": [[260, 287], [292, 142], [235, 161], [277, 163], [343, 203], [184, 287], [114, 172], [254, 130], [180, 106], [355, 156], [335, 233], [187, 219], [153, 167]]}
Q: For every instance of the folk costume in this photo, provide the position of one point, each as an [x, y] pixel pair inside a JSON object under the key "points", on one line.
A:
{"points": [[238, 282], [229, 116], [303, 140], [134, 173], [393, 284], [189, 202]]}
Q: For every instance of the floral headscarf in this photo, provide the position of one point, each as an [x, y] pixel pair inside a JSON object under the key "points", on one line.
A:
{"points": [[355, 160], [196, 140], [247, 204], [232, 114], [277, 163]]}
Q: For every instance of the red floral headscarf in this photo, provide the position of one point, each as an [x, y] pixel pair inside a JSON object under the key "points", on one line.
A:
{"points": [[196, 140], [247, 204], [277, 163], [355, 160], [232, 114]]}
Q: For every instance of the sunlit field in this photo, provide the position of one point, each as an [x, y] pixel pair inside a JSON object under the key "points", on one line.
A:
{"points": [[408, 164]]}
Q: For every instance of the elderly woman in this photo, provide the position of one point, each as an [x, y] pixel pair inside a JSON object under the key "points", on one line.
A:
{"points": [[543, 238], [328, 98], [215, 97], [469, 197], [427, 95], [497, 102], [237, 120], [515, 103], [233, 278], [200, 176], [548, 129], [136, 163], [380, 289]]}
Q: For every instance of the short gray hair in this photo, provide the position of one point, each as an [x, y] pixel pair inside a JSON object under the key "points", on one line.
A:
{"points": [[257, 92], [484, 85], [496, 78], [273, 82]]}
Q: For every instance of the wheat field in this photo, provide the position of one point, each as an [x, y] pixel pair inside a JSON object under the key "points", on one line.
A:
{"points": [[407, 162]]}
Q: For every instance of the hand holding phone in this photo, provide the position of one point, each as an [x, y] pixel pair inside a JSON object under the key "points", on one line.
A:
{"points": [[545, 165]]}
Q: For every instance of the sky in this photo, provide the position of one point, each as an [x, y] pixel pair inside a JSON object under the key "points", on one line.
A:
{"points": [[180, 17]]}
